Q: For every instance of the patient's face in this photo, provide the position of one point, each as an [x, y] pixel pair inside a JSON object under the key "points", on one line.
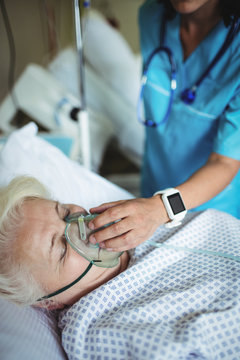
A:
{"points": [[42, 245]]}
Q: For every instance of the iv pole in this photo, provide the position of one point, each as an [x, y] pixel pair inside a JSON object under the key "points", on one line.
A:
{"points": [[82, 114]]}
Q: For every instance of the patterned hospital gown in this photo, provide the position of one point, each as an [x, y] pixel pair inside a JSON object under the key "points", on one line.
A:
{"points": [[168, 304]]}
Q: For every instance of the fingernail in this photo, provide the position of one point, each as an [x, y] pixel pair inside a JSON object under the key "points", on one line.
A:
{"points": [[92, 240], [91, 226], [109, 249]]}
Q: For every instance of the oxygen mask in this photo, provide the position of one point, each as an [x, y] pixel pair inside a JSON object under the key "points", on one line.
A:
{"points": [[77, 234]]}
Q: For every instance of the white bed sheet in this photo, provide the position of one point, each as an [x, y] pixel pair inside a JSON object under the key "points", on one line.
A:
{"points": [[168, 304]]}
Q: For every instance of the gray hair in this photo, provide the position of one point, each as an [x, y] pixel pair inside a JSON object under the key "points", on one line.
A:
{"points": [[16, 282]]}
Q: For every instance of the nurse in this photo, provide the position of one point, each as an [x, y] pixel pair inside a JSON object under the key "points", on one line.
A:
{"points": [[192, 149]]}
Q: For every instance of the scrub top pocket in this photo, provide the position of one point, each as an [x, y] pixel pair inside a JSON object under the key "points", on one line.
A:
{"points": [[211, 100]]}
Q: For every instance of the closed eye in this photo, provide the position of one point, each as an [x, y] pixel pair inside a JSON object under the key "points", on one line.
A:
{"points": [[64, 248], [62, 211], [67, 212]]}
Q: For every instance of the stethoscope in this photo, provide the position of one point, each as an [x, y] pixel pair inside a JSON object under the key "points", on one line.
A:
{"points": [[188, 95]]}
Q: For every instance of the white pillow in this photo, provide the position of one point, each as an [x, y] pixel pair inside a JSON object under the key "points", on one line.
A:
{"points": [[26, 153], [28, 333], [110, 55]]}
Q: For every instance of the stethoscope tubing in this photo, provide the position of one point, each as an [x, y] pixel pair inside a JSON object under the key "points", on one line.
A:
{"points": [[230, 36], [173, 84], [189, 94]]}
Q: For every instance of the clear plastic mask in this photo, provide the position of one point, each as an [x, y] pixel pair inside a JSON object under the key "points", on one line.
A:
{"points": [[77, 234]]}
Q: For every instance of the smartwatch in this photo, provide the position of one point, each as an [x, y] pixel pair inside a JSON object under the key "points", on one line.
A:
{"points": [[174, 206]]}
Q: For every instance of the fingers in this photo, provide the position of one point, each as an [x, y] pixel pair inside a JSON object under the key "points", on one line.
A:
{"points": [[120, 243], [105, 206], [109, 212], [134, 221], [110, 232]]}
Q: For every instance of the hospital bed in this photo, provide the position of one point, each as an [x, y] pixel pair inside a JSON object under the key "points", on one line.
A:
{"points": [[168, 304]]}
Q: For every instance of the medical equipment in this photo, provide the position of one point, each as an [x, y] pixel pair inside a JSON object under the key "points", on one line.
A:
{"points": [[188, 95], [81, 114], [76, 234]]}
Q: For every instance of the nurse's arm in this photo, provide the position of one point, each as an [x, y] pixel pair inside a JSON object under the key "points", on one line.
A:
{"points": [[141, 217], [209, 180]]}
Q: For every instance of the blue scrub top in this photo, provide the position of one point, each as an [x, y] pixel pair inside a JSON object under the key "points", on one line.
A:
{"points": [[174, 151]]}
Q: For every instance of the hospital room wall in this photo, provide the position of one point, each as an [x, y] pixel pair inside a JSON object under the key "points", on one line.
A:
{"points": [[33, 24], [125, 11], [43, 27]]}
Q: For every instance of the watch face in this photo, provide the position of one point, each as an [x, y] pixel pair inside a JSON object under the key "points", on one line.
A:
{"points": [[176, 203]]}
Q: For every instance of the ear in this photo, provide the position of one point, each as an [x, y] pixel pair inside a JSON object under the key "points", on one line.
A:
{"points": [[50, 304]]}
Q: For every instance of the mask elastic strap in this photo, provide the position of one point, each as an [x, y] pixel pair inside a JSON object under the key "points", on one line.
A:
{"points": [[69, 285]]}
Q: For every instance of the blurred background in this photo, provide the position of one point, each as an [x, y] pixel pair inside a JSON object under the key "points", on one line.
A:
{"points": [[39, 77]]}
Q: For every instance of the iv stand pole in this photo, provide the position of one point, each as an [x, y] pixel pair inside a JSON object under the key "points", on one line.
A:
{"points": [[83, 120]]}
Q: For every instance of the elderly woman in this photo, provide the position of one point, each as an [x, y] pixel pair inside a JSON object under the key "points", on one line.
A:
{"points": [[167, 304], [37, 263]]}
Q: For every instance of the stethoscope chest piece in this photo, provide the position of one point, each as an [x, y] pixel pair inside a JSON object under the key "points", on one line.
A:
{"points": [[188, 95]]}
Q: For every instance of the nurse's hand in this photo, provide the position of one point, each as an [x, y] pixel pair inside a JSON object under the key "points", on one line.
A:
{"points": [[139, 218]]}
